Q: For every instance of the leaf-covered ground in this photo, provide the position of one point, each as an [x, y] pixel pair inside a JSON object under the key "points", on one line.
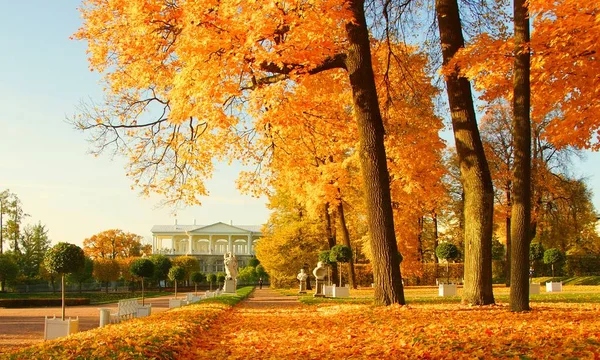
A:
{"points": [[272, 326], [437, 331]]}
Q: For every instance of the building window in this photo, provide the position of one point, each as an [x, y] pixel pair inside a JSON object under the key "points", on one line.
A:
{"points": [[239, 247], [201, 247], [221, 246], [219, 266]]}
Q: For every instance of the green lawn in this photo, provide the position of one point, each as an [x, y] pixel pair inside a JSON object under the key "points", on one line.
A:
{"points": [[429, 294]]}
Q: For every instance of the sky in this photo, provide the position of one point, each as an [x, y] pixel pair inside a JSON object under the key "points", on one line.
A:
{"points": [[43, 77]]}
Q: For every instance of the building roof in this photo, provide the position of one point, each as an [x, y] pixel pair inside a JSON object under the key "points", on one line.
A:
{"points": [[212, 228]]}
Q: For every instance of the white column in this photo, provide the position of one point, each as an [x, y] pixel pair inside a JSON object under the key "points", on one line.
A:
{"points": [[172, 244], [249, 244], [230, 247], [191, 250], [210, 244]]}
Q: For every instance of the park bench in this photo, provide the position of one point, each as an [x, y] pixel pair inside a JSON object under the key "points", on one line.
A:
{"points": [[128, 309]]}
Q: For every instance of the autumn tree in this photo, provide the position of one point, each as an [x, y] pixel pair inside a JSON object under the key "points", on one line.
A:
{"points": [[12, 216], [188, 263], [8, 268], [240, 47], [475, 174], [176, 273], [162, 264], [114, 244], [106, 270]]}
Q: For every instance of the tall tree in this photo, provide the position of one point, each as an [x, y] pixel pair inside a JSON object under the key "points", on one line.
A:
{"points": [[259, 45], [12, 211], [475, 174], [34, 244]]}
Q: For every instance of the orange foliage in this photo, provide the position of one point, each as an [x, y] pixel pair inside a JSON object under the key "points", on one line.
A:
{"points": [[114, 244], [564, 69]]}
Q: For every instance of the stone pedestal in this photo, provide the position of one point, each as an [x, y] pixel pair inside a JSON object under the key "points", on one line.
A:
{"points": [[229, 286], [339, 291], [319, 288], [174, 303], [554, 286], [328, 290], [302, 287], [447, 290], [145, 310], [55, 328], [534, 289]]}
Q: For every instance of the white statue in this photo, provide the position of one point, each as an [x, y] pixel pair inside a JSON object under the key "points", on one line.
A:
{"points": [[319, 272], [231, 266], [302, 276]]}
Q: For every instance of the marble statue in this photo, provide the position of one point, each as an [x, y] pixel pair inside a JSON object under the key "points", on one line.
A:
{"points": [[319, 272], [302, 276], [231, 266]]}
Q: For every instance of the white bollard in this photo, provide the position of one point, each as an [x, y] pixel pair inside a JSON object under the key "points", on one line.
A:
{"points": [[104, 316]]}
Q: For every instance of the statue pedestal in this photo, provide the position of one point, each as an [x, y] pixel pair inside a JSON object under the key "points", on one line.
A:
{"points": [[229, 286], [319, 289], [302, 287]]}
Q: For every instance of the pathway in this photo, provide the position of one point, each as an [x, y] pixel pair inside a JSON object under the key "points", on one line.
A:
{"points": [[25, 327]]}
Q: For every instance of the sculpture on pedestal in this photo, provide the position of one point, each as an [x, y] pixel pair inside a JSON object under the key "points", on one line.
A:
{"points": [[302, 276], [231, 271], [319, 272]]}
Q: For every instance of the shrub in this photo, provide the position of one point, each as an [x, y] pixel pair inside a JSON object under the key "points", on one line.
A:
{"points": [[27, 303], [583, 265], [211, 278], [142, 268], [253, 262], [197, 277], [447, 251], [498, 250], [8, 268]]}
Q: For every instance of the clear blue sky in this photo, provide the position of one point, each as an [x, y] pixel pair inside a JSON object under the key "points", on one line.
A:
{"points": [[45, 162]]}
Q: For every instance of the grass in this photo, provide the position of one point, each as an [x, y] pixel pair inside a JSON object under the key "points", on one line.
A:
{"points": [[96, 298], [429, 295]]}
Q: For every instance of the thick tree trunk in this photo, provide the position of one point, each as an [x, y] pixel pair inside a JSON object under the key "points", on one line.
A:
{"points": [[521, 208], [475, 174], [386, 267], [329, 230], [346, 241]]}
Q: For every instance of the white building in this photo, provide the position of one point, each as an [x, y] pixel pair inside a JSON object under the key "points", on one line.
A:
{"points": [[207, 243]]}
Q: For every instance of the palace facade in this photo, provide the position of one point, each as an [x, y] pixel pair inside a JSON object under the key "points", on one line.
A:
{"points": [[207, 243]]}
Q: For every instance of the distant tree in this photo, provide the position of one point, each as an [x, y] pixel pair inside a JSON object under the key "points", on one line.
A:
{"points": [[340, 254], [34, 245], [48, 275], [447, 251], [115, 244], [220, 278], [247, 275], [142, 268], [261, 272], [253, 262], [162, 265], [188, 263], [12, 217], [553, 256], [8, 268], [106, 270], [211, 278], [197, 278], [64, 258], [498, 250], [82, 275], [125, 271], [176, 273], [536, 252]]}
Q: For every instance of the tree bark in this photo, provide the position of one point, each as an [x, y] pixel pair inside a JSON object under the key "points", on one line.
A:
{"points": [[521, 208], [475, 174], [435, 237], [331, 240], [346, 241], [386, 267], [508, 238]]}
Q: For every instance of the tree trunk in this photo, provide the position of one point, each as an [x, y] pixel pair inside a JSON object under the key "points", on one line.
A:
{"points": [[62, 288], [386, 267], [521, 208], [435, 237], [475, 174], [508, 238], [346, 241], [329, 230], [175, 289]]}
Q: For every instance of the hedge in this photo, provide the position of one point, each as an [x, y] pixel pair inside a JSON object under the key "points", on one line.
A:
{"points": [[583, 265], [27, 303]]}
